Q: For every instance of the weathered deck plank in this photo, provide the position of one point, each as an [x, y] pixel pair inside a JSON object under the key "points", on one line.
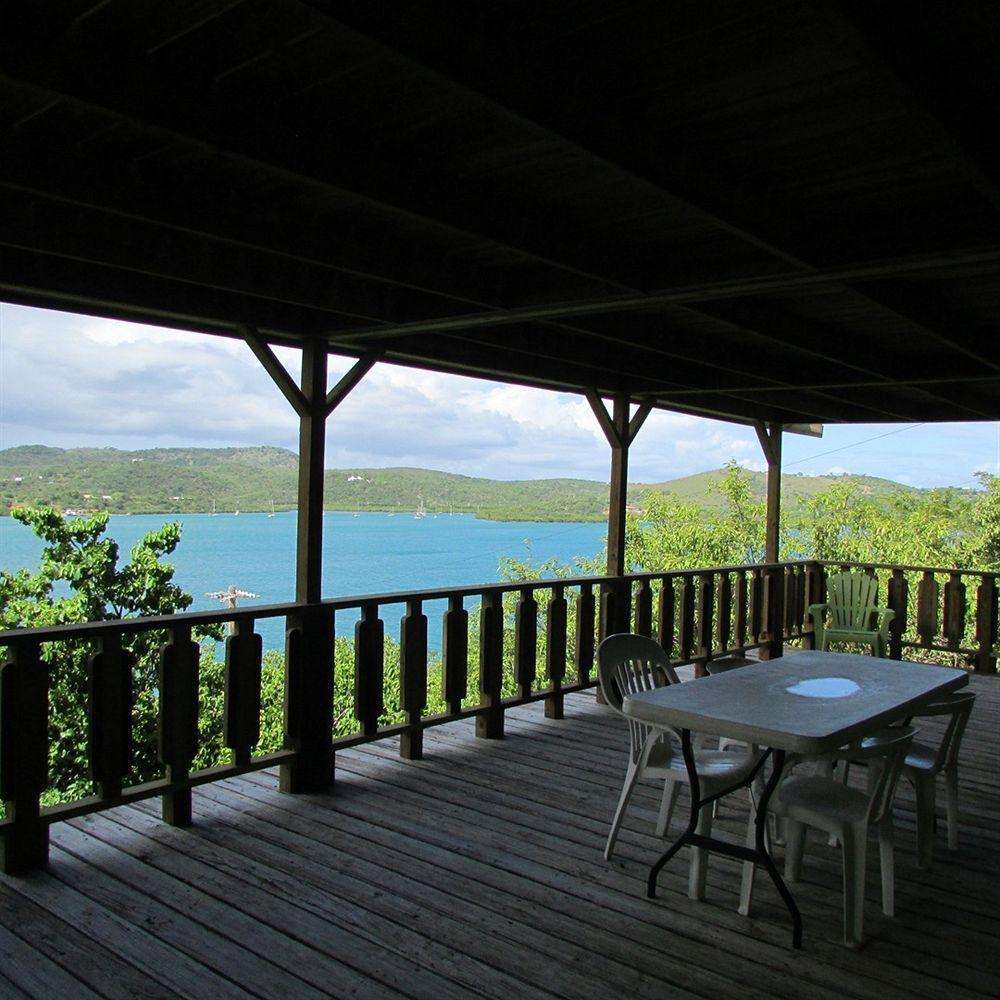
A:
{"points": [[478, 872]]}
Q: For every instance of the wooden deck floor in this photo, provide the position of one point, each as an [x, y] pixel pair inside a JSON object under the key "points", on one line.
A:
{"points": [[478, 871]]}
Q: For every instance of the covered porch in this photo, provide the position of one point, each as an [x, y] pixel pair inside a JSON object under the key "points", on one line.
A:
{"points": [[782, 215]]}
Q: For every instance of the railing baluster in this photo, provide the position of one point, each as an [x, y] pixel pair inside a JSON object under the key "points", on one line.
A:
{"points": [[309, 667], [742, 598], [583, 654], [24, 756], [706, 605], [685, 627], [413, 677], [774, 612], [724, 618], [927, 609], [665, 616], [787, 583], [555, 650], [241, 715], [898, 600], [815, 593], [756, 604], [489, 723], [177, 739], [954, 611], [986, 626], [525, 642], [109, 689], [369, 668], [644, 608], [455, 655]]}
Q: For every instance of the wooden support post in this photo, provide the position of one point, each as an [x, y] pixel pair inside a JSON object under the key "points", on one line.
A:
{"points": [[177, 735], [769, 436], [24, 757], [312, 448]]}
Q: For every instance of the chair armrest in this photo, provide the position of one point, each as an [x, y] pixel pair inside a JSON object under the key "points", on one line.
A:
{"points": [[885, 615], [817, 612]]}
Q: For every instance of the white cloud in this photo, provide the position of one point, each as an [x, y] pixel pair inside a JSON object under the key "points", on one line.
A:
{"points": [[70, 380]]}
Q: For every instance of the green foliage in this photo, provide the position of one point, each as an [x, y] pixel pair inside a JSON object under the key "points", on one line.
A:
{"points": [[677, 534], [79, 579]]}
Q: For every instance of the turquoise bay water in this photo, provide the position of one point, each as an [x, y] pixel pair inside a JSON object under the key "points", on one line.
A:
{"points": [[362, 554]]}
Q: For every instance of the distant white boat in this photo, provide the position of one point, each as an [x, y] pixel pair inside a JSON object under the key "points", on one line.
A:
{"points": [[421, 511], [213, 507], [236, 513], [272, 510]]}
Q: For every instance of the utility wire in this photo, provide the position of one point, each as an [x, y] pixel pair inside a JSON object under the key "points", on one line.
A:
{"points": [[853, 444]]}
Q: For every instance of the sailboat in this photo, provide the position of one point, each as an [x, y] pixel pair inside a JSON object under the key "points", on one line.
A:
{"points": [[421, 511], [272, 510], [213, 506]]}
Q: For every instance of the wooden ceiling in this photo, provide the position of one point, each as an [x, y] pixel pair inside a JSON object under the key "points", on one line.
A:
{"points": [[782, 211]]}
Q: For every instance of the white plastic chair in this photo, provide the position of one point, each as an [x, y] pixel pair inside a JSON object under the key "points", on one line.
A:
{"points": [[627, 664], [845, 813], [924, 763]]}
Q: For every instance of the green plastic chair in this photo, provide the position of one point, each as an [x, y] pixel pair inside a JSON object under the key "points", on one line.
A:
{"points": [[853, 614]]}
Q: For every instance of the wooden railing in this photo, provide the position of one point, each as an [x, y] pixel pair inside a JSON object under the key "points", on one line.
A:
{"points": [[501, 645]]}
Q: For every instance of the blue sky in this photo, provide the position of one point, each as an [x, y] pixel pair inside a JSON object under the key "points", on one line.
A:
{"points": [[68, 380]]}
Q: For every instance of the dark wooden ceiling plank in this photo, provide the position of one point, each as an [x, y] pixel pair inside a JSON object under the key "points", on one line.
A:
{"points": [[109, 236], [535, 235], [28, 225], [692, 294], [632, 380], [936, 89], [918, 305], [58, 282], [199, 209], [526, 105]]}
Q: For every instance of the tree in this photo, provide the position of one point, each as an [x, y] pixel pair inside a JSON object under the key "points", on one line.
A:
{"points": [[674, 534], [79, 579]]}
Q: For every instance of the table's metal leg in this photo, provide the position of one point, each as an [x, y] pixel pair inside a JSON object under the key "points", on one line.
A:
{"points": [[758, 854], [764, 856]]}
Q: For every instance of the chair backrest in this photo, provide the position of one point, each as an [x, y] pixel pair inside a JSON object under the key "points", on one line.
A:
{"points": [[888, 749], [627, 664], [959, 707], [852, 597]]}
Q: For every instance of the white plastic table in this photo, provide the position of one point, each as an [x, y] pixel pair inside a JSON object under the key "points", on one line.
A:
{"points": [[803, 703]]}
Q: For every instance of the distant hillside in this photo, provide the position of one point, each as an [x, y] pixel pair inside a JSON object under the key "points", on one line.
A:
{"points": [[700, 488], [189, 480]]}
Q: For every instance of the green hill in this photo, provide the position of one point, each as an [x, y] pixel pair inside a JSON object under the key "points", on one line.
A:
{"points": [[700, 488], [189, 480]]}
